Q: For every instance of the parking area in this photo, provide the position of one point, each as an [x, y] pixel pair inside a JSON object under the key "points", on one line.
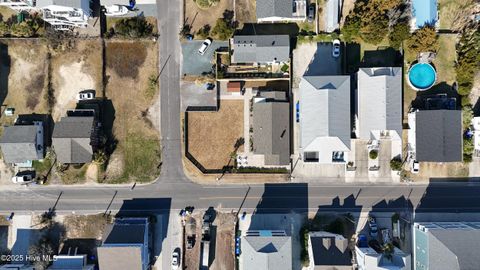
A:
{"points": [[196, 95], [323, 63], [167, 238], [193, 62], [400, 234], [364, 165]]}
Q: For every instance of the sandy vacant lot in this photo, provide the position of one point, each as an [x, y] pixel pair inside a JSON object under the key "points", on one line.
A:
{"points": [[224, 242], [212, 135], [23, 75], [76, 69], [197, 17], [245, 11], [135, 140]]}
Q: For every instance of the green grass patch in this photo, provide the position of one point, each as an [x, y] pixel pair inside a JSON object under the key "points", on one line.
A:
{"points": [[445, 60], [42, 166], [142, 158]]}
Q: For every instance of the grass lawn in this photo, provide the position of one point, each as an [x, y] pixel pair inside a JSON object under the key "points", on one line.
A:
{"points": [[212, 135], [142, 157], [445, 60]]}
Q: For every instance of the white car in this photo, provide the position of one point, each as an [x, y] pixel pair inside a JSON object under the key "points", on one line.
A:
{"points": [[86, 95], [336, 48], [175, 260], [206, 43], [415, 166], [23, 178]]}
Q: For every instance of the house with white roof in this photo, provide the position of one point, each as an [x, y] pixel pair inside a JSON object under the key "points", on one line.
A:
{"points": [[325, 130], [379, 113], [60, 14]]}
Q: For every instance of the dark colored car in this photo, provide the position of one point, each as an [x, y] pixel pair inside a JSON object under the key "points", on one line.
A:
{"points": [[311, 13]]}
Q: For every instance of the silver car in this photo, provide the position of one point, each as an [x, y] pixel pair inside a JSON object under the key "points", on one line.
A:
{"points": [[336, 48], [206, 43]]}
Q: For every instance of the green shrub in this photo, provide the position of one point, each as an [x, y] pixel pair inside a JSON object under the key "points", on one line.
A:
{"points": [[423, 40], [373, 154], [468, 57], [351, 28], [304, 245], [22, 29], [375, 30], [396, 164], [399, 33], [223, 29], [204, 4], [204, 31], [136, 27]]}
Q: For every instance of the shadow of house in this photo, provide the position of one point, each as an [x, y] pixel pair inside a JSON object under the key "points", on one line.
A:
{"points": [[87, 246], [433, 199], [158, 211], [5, 63], [282, 198], [388, 57], [290, 29], [4, 239], [107, 119]]}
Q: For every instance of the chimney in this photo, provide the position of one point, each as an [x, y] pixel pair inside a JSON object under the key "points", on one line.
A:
{"points": [[326, 242], [341, 243]]}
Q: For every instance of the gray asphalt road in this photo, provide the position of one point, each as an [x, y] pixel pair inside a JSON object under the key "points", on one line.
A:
{"points": [[193, 62]]}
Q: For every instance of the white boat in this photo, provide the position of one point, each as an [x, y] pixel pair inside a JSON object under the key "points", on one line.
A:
{"points": [[116, 10]]}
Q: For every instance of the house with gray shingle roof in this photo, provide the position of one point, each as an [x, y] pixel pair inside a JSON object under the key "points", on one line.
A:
{"points": [[324, 108], [72, 139], [328, 251], [260, 49], [436, 135], [23, 143], [271, 131], [266, 250], [446, 245], [379, 108], [281, 10]]}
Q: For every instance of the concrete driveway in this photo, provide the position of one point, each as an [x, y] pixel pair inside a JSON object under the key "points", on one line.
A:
{"points": [[323, 63], [197, 96], [193, 62]]}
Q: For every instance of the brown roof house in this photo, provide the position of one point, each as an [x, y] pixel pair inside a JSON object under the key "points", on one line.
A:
{"points": [[74, 137], [126, 245]]}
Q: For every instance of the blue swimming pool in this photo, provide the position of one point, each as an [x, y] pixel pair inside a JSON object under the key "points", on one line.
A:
{"points": [[422, 76]]}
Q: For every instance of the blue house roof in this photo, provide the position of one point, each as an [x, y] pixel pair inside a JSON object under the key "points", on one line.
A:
{"points": [[425, 12]]}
